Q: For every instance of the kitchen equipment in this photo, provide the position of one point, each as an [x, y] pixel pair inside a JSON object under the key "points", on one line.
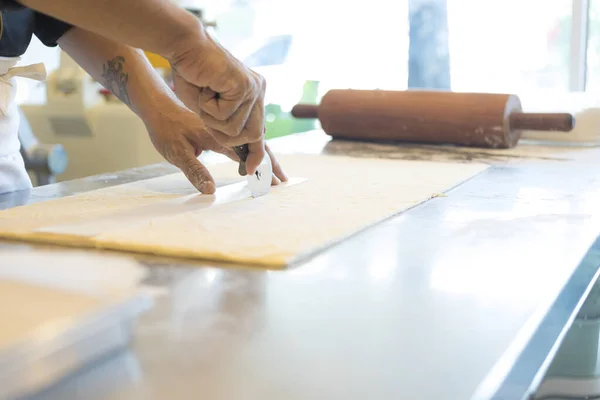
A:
{"points": [[468, 119], [585, 106], [259, 183], [42, 160]]}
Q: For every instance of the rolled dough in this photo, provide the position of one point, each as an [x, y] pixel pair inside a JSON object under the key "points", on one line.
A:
{"points": [[329, 198]]}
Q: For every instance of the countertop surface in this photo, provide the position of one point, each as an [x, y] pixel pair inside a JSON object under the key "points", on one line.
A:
{"points": [[462, 297]]}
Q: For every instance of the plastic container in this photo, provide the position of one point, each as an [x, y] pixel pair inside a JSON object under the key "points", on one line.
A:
{"points": [[61, 312]]}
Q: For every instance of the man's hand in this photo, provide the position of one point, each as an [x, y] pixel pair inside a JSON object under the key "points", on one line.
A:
{"points": [[180, 137], [208, 79], [226, 94], [178, 134]]}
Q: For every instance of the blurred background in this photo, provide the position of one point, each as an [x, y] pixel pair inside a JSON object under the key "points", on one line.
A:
{"points": [[547, 52]]}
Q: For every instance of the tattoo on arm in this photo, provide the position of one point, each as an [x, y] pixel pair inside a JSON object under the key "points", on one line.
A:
{"points": [[115, 79]]}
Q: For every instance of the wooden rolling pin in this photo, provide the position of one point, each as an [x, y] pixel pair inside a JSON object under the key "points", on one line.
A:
{"points": [[466, 119]]}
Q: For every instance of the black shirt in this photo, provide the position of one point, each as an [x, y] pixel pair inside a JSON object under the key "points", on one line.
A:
{"points": [[20, 23]]}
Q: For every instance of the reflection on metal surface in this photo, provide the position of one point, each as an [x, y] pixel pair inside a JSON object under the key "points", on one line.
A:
{"points": [[461, 287], [209, 305], [14, 199], [122, 370]]}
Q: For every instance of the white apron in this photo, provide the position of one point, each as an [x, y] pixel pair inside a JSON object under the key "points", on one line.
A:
{"points": [[13, 175]]}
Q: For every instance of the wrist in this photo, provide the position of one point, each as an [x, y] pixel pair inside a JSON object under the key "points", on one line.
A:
{"points": [[158, 106], [189, 35]]}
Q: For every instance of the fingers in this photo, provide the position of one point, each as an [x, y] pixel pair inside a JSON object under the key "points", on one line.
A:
{"points": [[277, 170], [253, 130], [227, 151], [237, 113], [227, 95], [225, 83], [223, 106], [186, 92], [255, 124], [196, 173], [255, 156], [232, 126]]}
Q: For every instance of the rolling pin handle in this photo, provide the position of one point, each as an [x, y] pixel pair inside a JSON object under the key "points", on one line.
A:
{"points": [[305, 111], [558, 122]]}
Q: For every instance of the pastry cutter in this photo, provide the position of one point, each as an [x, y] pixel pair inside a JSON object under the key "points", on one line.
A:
{"points": [[259, 183]]}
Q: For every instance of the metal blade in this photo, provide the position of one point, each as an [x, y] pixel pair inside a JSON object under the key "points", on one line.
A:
{"points": [[259, 183]]}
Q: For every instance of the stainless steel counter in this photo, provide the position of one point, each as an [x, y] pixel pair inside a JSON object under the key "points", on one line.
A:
{"points": [[463, 297]]}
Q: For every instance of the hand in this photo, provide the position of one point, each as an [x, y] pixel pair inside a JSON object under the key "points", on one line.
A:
{"points": [[228, 96], [180, 137]]}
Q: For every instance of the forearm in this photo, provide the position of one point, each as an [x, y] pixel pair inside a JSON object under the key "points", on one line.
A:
{"points": [[153, 25], [123, 70]]}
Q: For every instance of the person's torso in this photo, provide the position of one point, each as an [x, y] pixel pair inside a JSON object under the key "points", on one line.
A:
{"points": [[16, 30]]}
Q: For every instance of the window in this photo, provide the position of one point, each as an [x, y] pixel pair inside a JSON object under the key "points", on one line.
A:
{"points": [[463, 45], [592, 52], [273, 52], [509, 46]]}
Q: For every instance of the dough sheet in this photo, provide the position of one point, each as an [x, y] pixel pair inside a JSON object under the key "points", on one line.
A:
{"points": [[328, 199]]}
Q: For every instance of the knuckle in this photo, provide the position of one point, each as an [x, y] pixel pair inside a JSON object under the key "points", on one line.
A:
{"points": [[255, 136], [238, 129], [238, 141], [172, 156], [220, 115], [247, 84], [262, 82], [230, 132], [228, 141]]}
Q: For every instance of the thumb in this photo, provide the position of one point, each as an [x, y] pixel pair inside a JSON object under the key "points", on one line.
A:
{"points": [[197, 174], [255, 156]]}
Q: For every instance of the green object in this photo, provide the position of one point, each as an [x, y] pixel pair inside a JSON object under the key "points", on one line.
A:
{"points": [[280, 123]]}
